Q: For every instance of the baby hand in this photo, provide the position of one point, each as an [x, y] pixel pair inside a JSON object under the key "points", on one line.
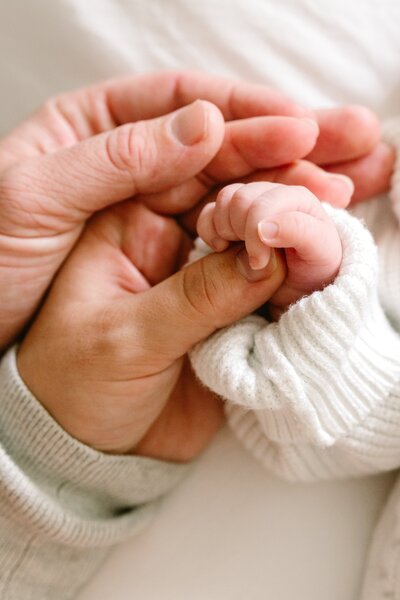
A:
{"points": [[268, 215]]}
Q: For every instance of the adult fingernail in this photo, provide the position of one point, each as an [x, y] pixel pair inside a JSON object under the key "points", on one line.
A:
{"points": [[343, 179], [267, 231], [313, 123], [252, 275], [189, 124]]}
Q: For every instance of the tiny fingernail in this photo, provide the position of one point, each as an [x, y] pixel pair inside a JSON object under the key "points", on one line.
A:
{"points": [[218, 244], [346, 180], [254, 263], [252, 275], [189, 124], [267, 231], [313, 123]]}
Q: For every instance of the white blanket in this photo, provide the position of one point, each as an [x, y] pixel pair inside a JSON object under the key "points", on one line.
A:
{"points": [[230, 531]]}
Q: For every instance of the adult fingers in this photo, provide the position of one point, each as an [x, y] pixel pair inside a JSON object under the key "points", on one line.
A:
{"points": [[262, 143], [56, 191], [249, 144], [152, 94], [71, 117], [334, 188], [346, 133], [371, 174], [206, 295]]}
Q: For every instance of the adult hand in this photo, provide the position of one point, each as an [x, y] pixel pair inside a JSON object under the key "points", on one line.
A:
{"points": [[106, 354], [372, 173], [95, 147]]}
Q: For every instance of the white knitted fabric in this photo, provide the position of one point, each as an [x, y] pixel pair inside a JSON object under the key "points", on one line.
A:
{"points": [[317, 395], [63, 505], [382, 572], [313, 395], [306, 382]]}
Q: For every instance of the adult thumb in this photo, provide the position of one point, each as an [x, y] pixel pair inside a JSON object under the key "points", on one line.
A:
{"points": [[208, 294], [141, 157]]}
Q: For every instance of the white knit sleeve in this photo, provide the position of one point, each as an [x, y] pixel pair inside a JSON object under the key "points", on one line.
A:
{"points": [[382, 217], [63, 505], [317, 394]]}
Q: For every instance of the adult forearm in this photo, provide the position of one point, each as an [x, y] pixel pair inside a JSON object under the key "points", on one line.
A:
{"points": [[63, 505]]}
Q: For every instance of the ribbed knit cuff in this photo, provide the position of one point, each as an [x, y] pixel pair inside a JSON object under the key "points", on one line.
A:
{"points": [[391, 134], [63, 488], [317, 373]]}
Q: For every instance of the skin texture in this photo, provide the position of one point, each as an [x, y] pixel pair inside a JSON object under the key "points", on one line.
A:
{"points": [[106, 352], [97, 146], [116, 333], [267, 215]]}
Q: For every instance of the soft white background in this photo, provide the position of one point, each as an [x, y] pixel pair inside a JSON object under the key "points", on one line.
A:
{"points": [[230, 531]]}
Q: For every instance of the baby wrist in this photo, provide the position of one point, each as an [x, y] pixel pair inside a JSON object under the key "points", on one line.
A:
{"points": [[318, 371]]}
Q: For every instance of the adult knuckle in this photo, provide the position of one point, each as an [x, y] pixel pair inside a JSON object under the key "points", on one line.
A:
{"points": [[131, 148], [199, 292], [49, 107], [53, 111]]}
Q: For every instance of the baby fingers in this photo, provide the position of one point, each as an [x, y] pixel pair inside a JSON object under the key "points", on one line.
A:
{"points": [[224, 220], [273, 207], [266, 215], [316, 242]]}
